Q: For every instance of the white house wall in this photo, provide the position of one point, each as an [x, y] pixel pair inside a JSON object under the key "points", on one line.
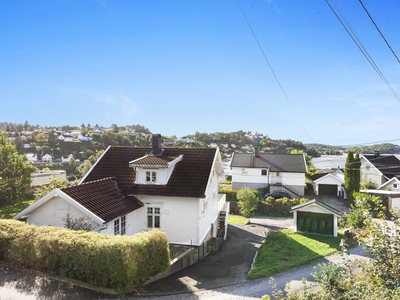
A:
{"points": [[327, 180], [372, 174], [252, 179], [53, 211], [179, 218]]}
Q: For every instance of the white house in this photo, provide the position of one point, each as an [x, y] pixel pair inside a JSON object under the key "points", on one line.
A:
{"points": [[280, 172], [213, 145], [65, 138], [27, 146], [392, 184], [32, 157], [84, 137], [66, 158], [131, 189], [379, 168], [47, 158]]}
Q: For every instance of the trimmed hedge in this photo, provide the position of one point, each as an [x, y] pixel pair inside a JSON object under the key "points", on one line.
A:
{"points": [[231, 195], [119, 262]]}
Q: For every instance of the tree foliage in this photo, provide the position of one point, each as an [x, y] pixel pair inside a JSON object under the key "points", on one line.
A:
{"points": [[352, 174], [55, 183], [15, 172], [248, 201], [77, 224]]}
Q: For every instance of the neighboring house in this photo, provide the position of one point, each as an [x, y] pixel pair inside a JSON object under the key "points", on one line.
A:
{"points": [[75, 133], [379, 168], [328, 183], [213, 145], [393, 197], [32, 157], [132, 189], [168, 142], [280, 172], [47, 158], [319, 216], [392, 185], [66, 158], [185, 140]]}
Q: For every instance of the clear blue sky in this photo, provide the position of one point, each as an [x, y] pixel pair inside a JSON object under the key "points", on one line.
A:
{"points": [[178, 67]]}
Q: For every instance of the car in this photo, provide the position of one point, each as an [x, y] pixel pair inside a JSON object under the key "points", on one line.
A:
{"points": [[277, 195]]}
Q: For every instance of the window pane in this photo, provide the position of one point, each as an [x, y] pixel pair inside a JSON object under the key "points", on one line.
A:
{"points": [[157, 210], [147, 176], [116, 226], [154, 176], [150, 221], [123, 225], [156, 221], [150, 210]]}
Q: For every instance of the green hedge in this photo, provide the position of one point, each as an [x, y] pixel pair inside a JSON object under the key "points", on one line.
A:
{"points": [[119, 262]]}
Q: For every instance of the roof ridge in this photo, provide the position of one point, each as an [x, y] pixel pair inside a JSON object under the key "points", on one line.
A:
{"points": [[85, 183]]}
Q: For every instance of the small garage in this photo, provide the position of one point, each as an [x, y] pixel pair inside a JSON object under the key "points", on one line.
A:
{"points": [[328, 183], [316, 217]]}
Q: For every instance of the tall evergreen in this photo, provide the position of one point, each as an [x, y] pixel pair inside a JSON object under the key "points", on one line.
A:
{"points": [[356, 172], [348, 174]]}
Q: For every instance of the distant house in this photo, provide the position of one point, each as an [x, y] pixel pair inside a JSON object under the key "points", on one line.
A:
{"points": [[66, 138], [27, 146], [47, 158], [168, 142], [132, 189], [379, 168], [75, 133], [84, 137], [32, 157], [185, 140], [213, 145], [66, 158], [279, 172]]}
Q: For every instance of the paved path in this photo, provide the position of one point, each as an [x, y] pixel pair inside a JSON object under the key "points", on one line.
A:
{"points": [[272, 222]]}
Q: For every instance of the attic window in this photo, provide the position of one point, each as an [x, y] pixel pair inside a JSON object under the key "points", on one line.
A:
{"points": [[264, 172], [151, 176], [395, 185]]}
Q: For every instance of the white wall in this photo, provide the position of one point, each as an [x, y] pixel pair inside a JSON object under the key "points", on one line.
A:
{"points": [[163, 175], [253, 175], [372, 174], [327, 180], [53, 211]]}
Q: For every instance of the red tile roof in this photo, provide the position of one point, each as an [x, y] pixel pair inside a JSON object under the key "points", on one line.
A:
{"points": [[151, 160], [189, 178], [103, 198]]}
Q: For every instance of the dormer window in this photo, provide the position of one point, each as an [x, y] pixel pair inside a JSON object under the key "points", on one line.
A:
{"points": [[151, 176]]}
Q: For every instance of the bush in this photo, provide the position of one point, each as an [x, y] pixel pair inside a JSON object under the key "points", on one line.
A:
{"points": [[356, 218], [248, 201], [119, 262], [230, 194], [270, 200]]}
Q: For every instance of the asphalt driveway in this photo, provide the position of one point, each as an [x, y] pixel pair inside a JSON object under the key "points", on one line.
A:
{"points": [[228, 266]]}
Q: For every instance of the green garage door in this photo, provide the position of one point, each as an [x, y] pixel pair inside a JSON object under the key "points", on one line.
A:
{"points": [[314, 222]]}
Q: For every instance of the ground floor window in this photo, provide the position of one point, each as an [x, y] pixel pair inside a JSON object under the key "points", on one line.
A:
{"points": [[120, 226], [153, 217]]}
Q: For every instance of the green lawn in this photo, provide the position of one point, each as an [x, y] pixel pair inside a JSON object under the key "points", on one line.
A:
{"points": [[284, 250], [7, 211], [237, 220]]}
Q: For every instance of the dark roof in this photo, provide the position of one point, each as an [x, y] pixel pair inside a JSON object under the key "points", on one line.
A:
{"points": [[103, 198], [275, 162], [151, 160], [189, 178], [332, 202], [389, 165], [318, 176]]}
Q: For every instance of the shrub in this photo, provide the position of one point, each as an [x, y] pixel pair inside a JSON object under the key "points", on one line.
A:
{"points": [[230, 194], [270, 200], [356, 218], [248, 201], [74, 223], [294, 201], [119, 262]]}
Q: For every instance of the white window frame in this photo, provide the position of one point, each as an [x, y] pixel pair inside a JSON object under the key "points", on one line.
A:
{"points": [[205, 206], [152, 176], [153, 211], [395, 185], [266, 172], [120, 226]]}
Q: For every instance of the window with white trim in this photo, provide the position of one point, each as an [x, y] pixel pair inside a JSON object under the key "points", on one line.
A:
{"points": [[263, 172], [278, 174], [151, 176], [120, 226], [367, 168], [153, 217], [205, 205], [395, 185]]}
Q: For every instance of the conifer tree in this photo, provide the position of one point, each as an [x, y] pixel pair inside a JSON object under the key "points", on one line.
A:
{"points": [[348, 174], [356, 172]]}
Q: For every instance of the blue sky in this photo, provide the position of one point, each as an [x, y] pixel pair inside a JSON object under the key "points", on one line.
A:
{"points": [[178, 67]]}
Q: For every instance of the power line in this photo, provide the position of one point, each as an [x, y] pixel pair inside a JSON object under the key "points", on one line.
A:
{"points": [[276, 78], [360, 45], [376, 26]]}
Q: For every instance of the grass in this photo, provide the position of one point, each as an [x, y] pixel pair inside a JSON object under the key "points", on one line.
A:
{"points": [[283, 250], [226, 182], [237, 220], [7, 211]]}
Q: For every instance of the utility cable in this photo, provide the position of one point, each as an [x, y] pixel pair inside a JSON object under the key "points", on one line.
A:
{"points": [[376, 26], [272, 70], [361, 47]]}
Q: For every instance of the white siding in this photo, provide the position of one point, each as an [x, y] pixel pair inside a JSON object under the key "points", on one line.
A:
{"points": [[252, 175], [372, 174], [53, 211]]}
